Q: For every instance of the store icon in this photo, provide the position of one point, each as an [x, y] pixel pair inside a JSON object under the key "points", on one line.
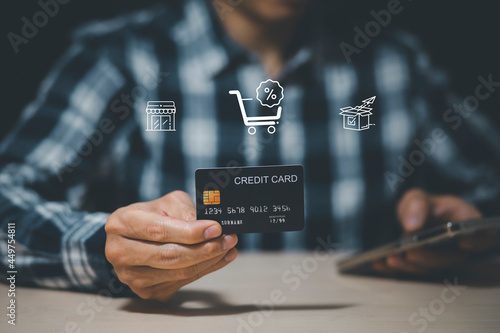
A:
{"points": [[161, 116]]}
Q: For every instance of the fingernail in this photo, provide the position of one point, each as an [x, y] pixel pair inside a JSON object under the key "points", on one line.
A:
{"points": [[231, 255], [413, 221], [229, 241], [212, 232]]}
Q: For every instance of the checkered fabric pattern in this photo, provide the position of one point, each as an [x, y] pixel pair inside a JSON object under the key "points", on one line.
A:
{"points": [[81, 149]]}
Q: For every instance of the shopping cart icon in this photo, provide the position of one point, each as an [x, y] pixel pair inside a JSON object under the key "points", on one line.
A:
{"points": [[269, 121]]}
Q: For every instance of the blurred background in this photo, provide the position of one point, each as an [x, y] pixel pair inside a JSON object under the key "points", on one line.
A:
{"points": [[461, 37]]}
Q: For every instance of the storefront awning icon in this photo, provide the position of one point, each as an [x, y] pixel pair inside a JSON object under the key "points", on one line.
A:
{"points": [[160, 116], [160, 107]]}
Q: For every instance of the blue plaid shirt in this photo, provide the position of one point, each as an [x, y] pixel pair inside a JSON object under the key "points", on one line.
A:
{"points": [[81, 149]]}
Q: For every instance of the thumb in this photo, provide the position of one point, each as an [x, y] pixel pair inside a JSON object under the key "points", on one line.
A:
{"points": [[413, 210]]}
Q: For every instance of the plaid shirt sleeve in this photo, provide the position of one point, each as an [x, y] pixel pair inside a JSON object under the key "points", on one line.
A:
{"points": [[466, 157], [455, 148], [57, 244]]}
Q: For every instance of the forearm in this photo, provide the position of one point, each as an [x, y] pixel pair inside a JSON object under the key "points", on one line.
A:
{"points": [[56, 246]]}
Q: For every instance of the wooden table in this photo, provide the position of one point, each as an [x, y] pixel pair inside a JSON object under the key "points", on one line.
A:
{"points": [[278, 292]]}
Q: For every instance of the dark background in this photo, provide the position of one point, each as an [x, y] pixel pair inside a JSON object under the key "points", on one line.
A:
{"points": [[461, 36]]}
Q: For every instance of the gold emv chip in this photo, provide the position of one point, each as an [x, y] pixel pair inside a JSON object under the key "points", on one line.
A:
{"points": [[211, 197]]}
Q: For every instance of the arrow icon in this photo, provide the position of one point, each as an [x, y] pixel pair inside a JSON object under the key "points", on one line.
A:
{"points": [[370, 100]]}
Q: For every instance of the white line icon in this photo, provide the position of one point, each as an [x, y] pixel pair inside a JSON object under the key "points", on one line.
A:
{"points": [[270, 93], [358, 118], [161, 116], [269, 121]]}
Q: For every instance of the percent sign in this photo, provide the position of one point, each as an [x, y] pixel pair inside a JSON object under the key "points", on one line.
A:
{"points": [[270, 93]]}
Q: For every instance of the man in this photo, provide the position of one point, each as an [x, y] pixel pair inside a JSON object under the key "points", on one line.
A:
{"points": [[81, 150]]}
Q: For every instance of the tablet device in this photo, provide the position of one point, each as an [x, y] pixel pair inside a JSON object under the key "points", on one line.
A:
{"points": [[362, 262]]}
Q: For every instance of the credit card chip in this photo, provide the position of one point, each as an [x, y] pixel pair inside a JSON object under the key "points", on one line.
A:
{"points": [[211, 197]]}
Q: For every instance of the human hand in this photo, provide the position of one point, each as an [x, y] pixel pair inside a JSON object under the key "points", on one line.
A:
{"points": [[157, 247], [419, 210]]}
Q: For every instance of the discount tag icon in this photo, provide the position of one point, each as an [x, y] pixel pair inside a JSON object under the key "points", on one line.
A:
{"points": [[270, 93]]}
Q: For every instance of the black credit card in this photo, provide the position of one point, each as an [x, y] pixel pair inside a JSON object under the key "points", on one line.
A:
{"points": [[252, 199]]}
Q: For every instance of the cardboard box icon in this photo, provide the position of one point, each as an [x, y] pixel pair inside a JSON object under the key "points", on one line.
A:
{"points": [[358, 118]]}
